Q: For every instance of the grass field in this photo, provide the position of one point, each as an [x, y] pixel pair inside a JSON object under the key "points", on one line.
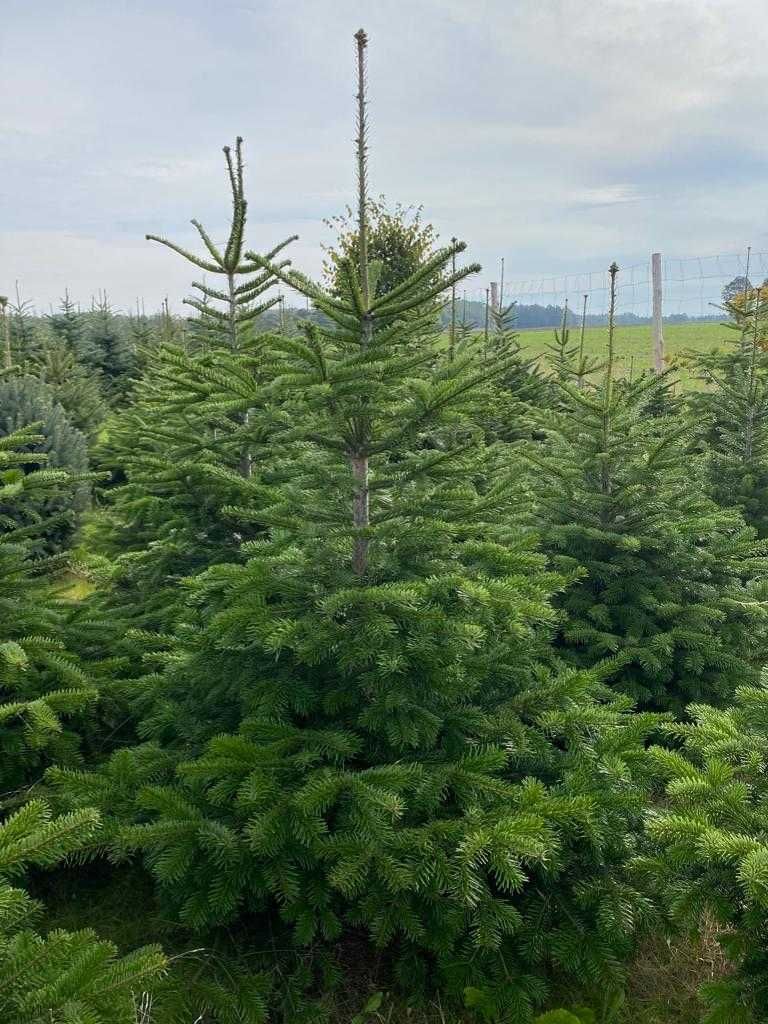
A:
{"points": [[634, 345]]}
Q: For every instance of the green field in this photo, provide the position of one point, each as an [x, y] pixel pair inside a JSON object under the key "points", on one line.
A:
{"points": [[634, 345]]}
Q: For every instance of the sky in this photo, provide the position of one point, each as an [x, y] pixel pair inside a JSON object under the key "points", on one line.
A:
{"points": [[558, 134]]}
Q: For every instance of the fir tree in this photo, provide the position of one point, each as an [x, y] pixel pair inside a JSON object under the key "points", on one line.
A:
{"points": [[39, 680], [109, 348], [26, 329], [44, 692], [242, 300], [176, 463], [68, 324], [25, 401], [711, 842], [373, 736], [563, 355], [668, 589], [733, 413], [567, 358], [176, 450], [505, 414], [76, 389]]}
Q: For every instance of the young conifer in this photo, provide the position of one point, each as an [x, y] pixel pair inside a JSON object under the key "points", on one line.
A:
{"points": [[710, 839], [27, 401], [374, 738], [566, 358], [68, 324], [667, 591], [181, 457], [732, 411], [227, 312], [62, 976], [110, 348], [75, 388]]}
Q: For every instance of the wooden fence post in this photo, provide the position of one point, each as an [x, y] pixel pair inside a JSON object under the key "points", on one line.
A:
{"points": [[658, 327]]}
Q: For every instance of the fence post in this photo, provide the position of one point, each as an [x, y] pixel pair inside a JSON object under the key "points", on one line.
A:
{"points": [[658, 328], [485, 332]]}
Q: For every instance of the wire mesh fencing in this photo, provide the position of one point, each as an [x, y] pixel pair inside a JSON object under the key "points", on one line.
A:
{"points": [[692, 289]]}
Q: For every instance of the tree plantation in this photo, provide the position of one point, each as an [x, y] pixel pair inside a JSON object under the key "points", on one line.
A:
{"points": [[353, 671]]}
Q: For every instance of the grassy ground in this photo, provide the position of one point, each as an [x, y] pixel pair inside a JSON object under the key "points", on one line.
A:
{"points": [[634, 345], [74, 587], [663, 980]]}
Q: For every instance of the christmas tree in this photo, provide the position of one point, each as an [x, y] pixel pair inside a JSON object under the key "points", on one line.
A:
{"points": [[732, 412], [710, 852], [373, 738], [45, 693], [668, 592]]}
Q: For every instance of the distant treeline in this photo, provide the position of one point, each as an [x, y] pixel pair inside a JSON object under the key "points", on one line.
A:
{"points": [[168, 326], [536, 316]]}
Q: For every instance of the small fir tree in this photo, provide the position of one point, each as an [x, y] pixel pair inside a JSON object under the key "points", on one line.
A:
{"points": [[25, 329], [732, 412], [505, 412], [75, 388], [176, 451], [109, 348], [24, 401], [710, 838], [567, 359], [668, 587], [68, 324]]}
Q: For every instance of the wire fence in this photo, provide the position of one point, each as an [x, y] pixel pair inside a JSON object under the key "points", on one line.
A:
{"points": [[692, 289]]}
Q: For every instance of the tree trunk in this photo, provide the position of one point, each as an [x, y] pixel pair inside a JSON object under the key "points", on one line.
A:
{"points": [[6, 336], [360, 512]]}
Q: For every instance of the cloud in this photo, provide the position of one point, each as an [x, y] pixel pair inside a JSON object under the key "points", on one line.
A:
{"points": [[559, 135], [608, 195]]}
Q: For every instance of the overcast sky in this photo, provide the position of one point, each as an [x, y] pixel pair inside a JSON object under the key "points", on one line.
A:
{"points": [[560, 134]]}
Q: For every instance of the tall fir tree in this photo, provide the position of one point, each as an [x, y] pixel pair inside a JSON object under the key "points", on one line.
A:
{"points": [[373, 737]]}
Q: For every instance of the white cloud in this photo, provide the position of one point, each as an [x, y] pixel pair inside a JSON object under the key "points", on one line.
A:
{"points": [[608, 195]]}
